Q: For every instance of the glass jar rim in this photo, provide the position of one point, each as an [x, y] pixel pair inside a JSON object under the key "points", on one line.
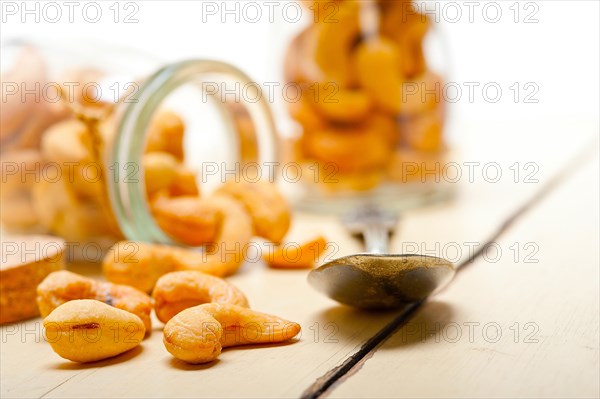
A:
{"points": [[128, 197]]}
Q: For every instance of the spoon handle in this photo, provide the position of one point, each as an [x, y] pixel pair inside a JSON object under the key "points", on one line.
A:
{"points": [[374, 224], [376, 238]]}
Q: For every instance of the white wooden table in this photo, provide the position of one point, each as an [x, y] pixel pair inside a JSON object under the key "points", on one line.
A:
{"points": [[523, 322]]}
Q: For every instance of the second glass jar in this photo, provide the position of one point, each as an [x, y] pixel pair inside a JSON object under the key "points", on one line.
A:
{"points": [[370, 115]]}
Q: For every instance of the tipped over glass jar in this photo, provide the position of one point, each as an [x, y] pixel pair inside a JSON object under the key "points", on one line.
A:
{"points": [[89, 133], [370, 113]]}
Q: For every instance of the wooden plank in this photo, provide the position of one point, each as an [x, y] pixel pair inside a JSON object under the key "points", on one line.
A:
{"points": [[534, 319], [29, 368], [482, 213]]}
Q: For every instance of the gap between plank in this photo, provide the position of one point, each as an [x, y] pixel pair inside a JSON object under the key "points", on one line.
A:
{"points": [[353, 363], [59, 385]]}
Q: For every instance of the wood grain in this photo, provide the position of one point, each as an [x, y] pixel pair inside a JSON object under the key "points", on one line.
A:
{"points": [[534, 317], [474, 223], [331, 333]]}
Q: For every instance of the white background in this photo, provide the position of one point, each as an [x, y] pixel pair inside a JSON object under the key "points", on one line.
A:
{"points": [[559, 52]]}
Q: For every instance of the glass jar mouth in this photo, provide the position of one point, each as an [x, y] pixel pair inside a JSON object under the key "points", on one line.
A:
{"points": [[126, 186]]}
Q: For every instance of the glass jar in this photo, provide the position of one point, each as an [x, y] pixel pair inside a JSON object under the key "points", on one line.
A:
{"points": [[369, 118], [79, 120]]}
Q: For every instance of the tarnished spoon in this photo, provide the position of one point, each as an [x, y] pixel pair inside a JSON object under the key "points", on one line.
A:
{"points": [[377, 280]]}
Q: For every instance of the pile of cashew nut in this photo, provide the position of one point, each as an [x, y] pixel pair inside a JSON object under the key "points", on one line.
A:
{"points": [[54, 180], [202, 312], [49, 159], [86, 320], [369, 101], [200, 309]]}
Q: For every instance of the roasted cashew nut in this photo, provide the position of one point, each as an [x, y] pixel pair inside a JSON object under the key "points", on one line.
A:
{"points": [[341, 105], [392, 91], [160, 171], [63, 286], [331, 43], [189, 220], [20, 172], [269, 209], [69, 143], [354, 148], [402, 23], [87, 330], [295, 256], [141, 265], [166, 134], [197, 334], [177, 291]]}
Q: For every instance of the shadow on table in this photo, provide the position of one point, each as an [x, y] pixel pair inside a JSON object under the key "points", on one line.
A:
{"points": [[181, 365], [346, 323], [259, 346], [123, 357], [432, 322]]}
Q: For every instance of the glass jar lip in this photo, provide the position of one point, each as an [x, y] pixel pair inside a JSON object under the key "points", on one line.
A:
{"points": [[127, 198]]}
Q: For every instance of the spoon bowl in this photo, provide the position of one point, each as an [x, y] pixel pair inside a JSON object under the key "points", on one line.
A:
{"points": [[381, 281]]}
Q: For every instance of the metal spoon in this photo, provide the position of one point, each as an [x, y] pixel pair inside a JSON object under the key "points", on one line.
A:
{"points": [[377, 280]]}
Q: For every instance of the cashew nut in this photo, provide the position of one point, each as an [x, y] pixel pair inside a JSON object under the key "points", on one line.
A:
{"points": [[87, 330], [295, 256], [401, 22], [141, 265], [197, 334], [190, 220], [160, 171], [63, 286], [177, 291], [269, 210], [166, 134], [69, 144], [345, 106], [331, 45], [20, 171], [391, 90], [353, 148]]}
